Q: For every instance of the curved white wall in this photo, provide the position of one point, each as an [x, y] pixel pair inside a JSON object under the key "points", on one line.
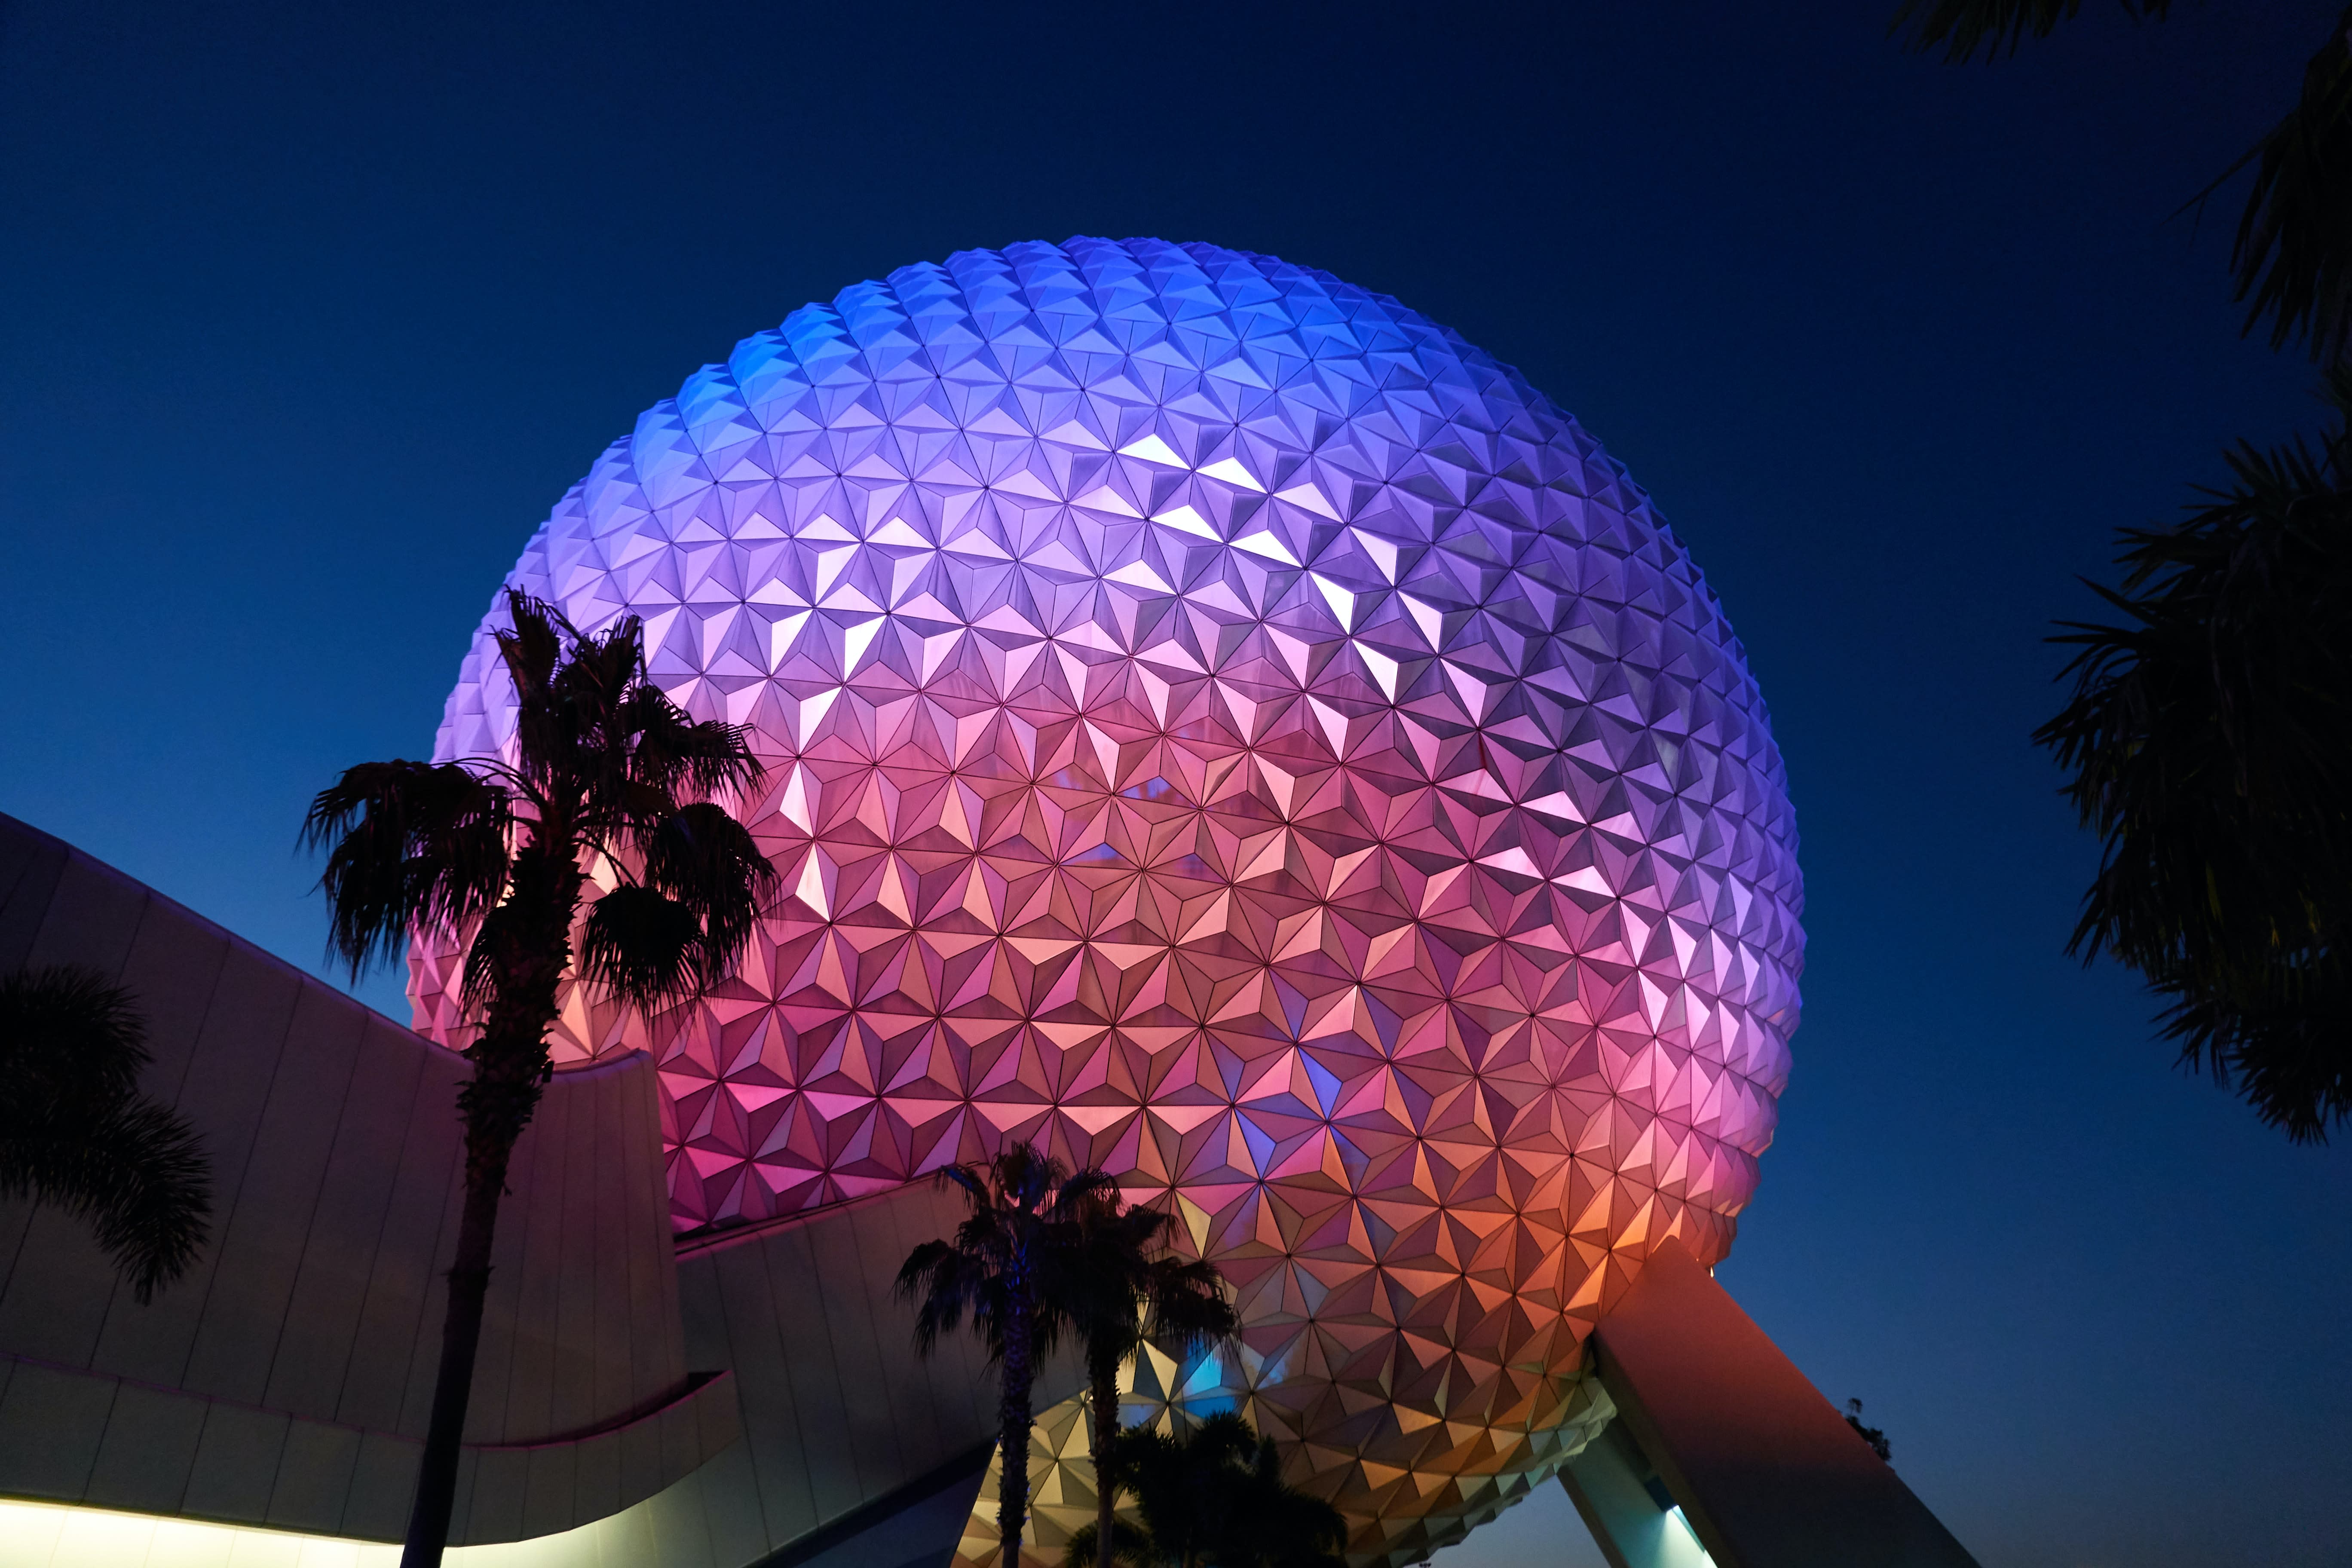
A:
{"points": [[286, 1381]]}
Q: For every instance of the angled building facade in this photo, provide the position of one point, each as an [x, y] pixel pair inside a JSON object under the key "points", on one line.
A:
{"points": [[1221, 727]]}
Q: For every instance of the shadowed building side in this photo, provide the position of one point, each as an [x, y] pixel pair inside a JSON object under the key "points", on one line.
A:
{"points": [[855, 1452], [737, 1398], [285, 1381]]}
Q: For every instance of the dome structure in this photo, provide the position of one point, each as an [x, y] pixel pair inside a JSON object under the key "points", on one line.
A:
{"points": [[1223, 728]]}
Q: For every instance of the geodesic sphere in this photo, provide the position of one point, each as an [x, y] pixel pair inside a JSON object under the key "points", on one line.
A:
{"points": [[1226, 729]]}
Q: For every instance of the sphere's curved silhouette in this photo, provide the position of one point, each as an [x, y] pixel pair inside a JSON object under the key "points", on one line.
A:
{"points": [[1227, 728]]}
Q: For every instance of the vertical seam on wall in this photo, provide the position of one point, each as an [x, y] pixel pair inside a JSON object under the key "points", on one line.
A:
{"points": [[814, 1442], [23, 881], [228, 1213], [633, 1254], [784, 1366], [294, 1427], [212, 993], [607, 1100], [400, 1162], [641, 1115], [23, 872], [113, 1397], [318, 1191], [16, 1255], [179, 1091], [453, 1187], [924, 1382], [548, 1149], [558, 1154], [611, 1117], [870, 1312], [196, 1452], [114, 1285], [375, 1253]]}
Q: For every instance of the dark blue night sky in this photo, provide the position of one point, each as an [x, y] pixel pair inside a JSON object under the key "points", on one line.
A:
{"points": [[307, 313]]}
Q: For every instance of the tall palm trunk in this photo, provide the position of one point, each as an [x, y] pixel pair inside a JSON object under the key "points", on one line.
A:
{"points": [[496, 1103], [1102, 1383], [453, 1384], [1015, 1418]]}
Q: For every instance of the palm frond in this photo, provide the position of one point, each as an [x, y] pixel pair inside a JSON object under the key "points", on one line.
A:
{"points": [[945, 1285], [142, 1174], [532, 644], [1127, 1544], [1082, 1194], [2277, 1034], [532, 647], [1186, 1308], [75, 1133], [2208, 741], [1025, 1180], [407, 844], [1217, 1496], [1959, 28], [685, 757], [607, 671], [416, 843], [520, 944], [72, 1039], [2292, 258], [643, 945], [1111, 1281], [1017, 1242], [711, 865]]}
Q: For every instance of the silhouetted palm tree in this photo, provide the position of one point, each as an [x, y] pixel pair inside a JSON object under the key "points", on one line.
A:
{"points": [[1273, 1524], [2292, 258], [604, 768], [1140, 1291], [75, 1131], [1213, 1498], [2205, 737], [2210, 741], [1016, 1266]]}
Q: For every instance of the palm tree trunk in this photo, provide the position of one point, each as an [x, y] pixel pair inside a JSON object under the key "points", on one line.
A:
{"points": [[1015, 1418], [1102, 1376], [453, 1385], [497, 1102]]}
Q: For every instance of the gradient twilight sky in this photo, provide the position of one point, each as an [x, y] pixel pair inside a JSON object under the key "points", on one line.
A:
{"points": [[307, 313]]}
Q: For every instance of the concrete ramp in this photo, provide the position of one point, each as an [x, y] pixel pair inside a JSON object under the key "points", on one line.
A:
{"points": [[1722, 1450]]}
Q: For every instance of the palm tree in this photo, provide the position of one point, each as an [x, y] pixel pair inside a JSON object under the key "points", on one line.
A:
{"points": [[75, 1133], [604, 768], [1142, 1291], [2206, 738], [1213, 1498], [1272, 1524], [2292, 258], [2209, 744], [1018, 1263]]}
